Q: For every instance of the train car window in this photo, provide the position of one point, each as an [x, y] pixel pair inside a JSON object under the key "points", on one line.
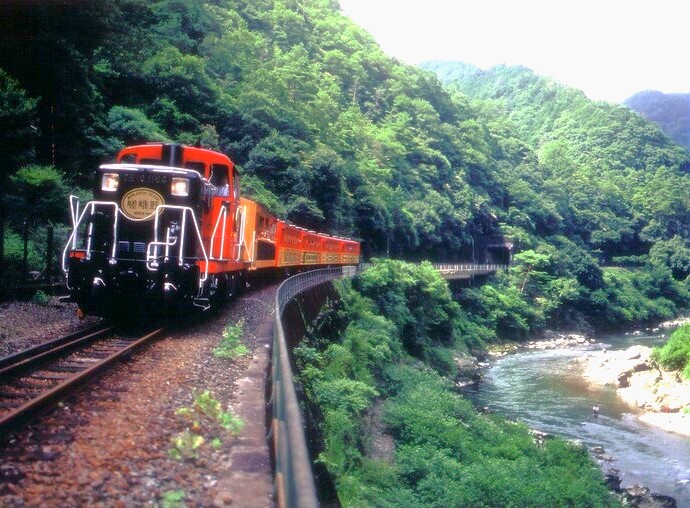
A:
{"points": [[219, 179], [196, 166], [218, 171], [129, 158]]}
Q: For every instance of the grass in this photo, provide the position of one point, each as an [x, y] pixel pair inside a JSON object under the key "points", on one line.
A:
{"points": [[231, 342]]}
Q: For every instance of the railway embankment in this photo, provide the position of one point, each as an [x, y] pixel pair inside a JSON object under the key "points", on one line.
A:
{"points": [[128, 440]]}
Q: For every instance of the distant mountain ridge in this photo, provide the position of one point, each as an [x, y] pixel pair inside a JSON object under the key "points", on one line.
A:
{"points": [[670, 111], [545, 111]]}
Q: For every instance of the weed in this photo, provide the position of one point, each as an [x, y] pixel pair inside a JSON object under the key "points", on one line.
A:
{"points": [[231, 423], [231, 342], [173, 499], [185, 445], [205, 415], [41, 298]]}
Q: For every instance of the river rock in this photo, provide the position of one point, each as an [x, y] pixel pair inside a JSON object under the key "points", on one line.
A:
{"points": [[657, 501], [468, 370], [612, 481], [624, 379], [636, 493]]}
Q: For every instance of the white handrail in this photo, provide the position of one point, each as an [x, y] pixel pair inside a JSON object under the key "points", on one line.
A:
{"points": [[151, 258], [223, 214], [241, 210], [72, 240]]}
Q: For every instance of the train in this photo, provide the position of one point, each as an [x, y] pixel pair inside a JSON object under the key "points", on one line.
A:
{"points": [[168, 229]]}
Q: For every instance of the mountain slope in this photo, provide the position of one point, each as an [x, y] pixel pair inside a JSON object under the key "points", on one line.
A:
{"points": [[670, 111], [610, 174]]}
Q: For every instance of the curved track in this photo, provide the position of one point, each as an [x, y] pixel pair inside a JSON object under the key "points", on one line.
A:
{"points": [[37, 377]]}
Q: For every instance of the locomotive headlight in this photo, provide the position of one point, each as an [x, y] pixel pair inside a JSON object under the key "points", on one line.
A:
{"points": [[109, 182], [180, 187]]}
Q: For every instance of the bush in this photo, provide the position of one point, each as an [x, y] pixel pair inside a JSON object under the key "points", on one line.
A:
{"points": [[675, 354], [415, 298]]}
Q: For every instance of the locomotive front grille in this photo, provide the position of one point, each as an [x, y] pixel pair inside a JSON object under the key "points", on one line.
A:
{"points": [[131, 250]]}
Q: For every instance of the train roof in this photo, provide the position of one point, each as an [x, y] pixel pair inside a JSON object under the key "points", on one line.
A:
{"points": [[152, 168]]}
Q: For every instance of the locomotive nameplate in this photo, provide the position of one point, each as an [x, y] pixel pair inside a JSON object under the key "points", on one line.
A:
{"points": [[141, 203]]}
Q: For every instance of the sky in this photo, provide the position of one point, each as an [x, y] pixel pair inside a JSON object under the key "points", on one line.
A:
{"points": [[610, 49]]}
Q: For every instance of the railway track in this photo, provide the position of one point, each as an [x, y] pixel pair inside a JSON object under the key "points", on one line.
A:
{"points": [[35, 378]]}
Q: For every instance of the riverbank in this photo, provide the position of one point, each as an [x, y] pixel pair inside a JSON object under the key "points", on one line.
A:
{"points": [[662, 396]]}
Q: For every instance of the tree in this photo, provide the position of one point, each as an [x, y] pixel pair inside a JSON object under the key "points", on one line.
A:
{"points": [[131, 126], [17, 112]]}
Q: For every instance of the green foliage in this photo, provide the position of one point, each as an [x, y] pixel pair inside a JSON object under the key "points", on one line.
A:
{"points": [[204, 417], [415, 298], [17, 114], [185, 445], [631, 296], [39, 193], [675, 354], [673, 254], [41, 298], [352, 365], [132, 126], [230, 345], [173, 499]]}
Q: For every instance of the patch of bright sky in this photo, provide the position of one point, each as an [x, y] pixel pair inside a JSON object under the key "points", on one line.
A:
{"points": [[610, 49]]}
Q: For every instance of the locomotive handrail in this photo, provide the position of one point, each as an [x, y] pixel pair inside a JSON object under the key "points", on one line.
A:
{"points": [[241, 211], [74, 209], [294, 479], [167, 243], [223, 214], [72, 240]]}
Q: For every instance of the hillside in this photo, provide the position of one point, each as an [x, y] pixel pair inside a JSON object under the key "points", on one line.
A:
{"points": [[670, 111], [595, 159]]}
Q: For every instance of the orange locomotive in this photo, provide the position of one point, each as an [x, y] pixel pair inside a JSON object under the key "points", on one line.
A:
{"points": [[168, 227]]}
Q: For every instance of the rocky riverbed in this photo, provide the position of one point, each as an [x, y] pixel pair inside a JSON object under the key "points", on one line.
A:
{"points": [[662, 396]]}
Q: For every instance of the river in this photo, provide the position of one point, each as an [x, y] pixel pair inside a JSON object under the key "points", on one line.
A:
{"points": [[544, 390]]}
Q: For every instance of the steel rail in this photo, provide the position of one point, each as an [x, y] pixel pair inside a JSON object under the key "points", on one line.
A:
{"points": [[55, 392], [24, 359]]}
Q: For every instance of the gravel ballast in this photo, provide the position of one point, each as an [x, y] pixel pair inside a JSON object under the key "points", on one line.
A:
{"points": [[108, 444], [26, 324]]}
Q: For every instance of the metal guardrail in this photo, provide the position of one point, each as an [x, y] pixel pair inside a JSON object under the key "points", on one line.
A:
{"points": [[294, 480], [467, 267], [448, 268]]}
